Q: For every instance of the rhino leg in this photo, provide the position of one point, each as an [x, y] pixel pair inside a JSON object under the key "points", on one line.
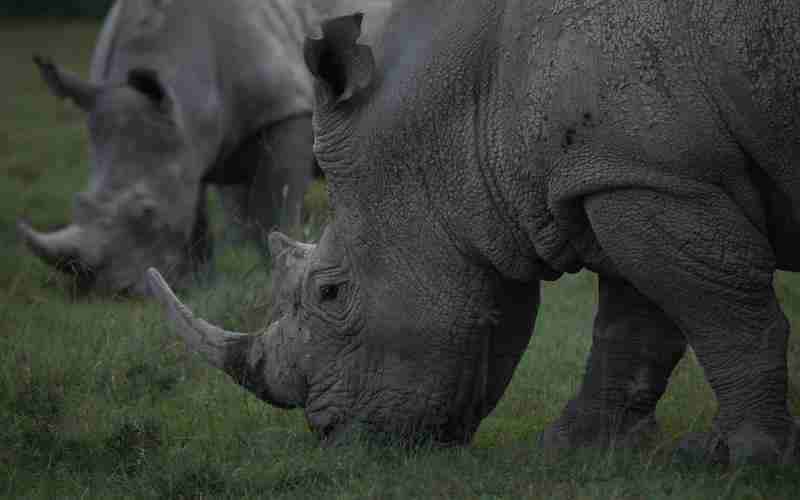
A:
{"points": [[710, 269], [281, 162], [263, 184], [635, 346], [233, 198], [201, 243], [278, 188]]}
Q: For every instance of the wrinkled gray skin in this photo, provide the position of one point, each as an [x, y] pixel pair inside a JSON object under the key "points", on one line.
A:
{"points": [[482, 146], [183, 94]]}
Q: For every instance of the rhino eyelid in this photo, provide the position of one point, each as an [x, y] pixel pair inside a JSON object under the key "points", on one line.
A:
{"points": [[331, 274], [323, 285]]}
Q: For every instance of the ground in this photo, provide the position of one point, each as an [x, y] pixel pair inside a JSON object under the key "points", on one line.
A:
{"points": [[97, 399]]}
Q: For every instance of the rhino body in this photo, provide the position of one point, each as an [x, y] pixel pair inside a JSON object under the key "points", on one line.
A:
{"points": [[479, 147], [182, 95]]}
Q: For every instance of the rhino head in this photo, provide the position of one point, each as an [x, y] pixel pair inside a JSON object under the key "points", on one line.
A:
{"points": [[143, 207], [392, 323], [396, 358]]}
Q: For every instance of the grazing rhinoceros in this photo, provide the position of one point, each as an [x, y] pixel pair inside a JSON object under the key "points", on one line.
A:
{"points": [[482, 146], [183, 94]]}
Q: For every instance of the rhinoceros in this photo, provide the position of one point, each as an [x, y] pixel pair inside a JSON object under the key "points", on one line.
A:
{"points": [[480, 147], [184, 94]]}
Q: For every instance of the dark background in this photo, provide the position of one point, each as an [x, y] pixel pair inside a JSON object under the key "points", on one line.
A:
{"points": [[52, 8]]}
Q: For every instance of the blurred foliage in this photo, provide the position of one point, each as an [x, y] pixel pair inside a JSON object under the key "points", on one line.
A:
{"points": [[54, 8], [316, 205]]}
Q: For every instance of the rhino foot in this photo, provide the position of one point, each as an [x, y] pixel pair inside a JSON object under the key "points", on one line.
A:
{"points": [[701, 448], [747, 445], [598, 430]]}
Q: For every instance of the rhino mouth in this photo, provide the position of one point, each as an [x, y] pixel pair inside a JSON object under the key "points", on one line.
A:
{"points": [[408, 436], [413, 432]]}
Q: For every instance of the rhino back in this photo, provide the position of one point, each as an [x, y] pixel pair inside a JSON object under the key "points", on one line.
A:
{"points": [[552, 101], [105, 44], [662, 94]]}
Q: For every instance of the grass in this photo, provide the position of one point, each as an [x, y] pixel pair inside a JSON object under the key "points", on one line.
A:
{"points": [[98, 400]]}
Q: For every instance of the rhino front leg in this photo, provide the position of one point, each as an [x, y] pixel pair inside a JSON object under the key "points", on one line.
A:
{"points": [[263, 184], [635, 347], [704, 263], [285, 170]]}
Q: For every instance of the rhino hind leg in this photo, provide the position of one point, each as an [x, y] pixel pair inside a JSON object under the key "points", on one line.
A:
{"points": [[702, 261], [634, 350]]}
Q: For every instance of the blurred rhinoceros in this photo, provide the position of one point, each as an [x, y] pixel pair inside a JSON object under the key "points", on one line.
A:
{"points": [[183, 94]]}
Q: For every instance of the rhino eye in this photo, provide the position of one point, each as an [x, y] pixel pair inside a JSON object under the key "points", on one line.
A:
{"points": [[332, 300], [148, 212], [144, 213], [328, 293]]}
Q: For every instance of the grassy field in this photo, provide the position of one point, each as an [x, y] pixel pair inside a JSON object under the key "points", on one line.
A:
{"points": [[98, 400]]}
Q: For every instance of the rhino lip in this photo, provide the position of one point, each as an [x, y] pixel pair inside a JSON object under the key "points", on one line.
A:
{"points": [[83, 278], [74, 267], [414, 435]]}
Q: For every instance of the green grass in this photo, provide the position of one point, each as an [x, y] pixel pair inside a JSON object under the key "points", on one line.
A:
{"points": [[98, 400]]}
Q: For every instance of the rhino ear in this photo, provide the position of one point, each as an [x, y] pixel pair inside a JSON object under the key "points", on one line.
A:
{"points": [[66, 85], [146, 82], [345, 66]]}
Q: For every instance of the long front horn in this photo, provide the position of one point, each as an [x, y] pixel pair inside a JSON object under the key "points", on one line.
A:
{"points": [[60, 249], [264, 364], [219, 347]]}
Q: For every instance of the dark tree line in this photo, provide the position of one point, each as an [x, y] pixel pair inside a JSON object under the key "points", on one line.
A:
{"points": [[54, 8]]}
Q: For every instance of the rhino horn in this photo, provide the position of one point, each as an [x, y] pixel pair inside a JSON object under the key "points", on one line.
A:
{"points": [[278, 243], [64, 84], [219, 347], [257, 362], [61, 249]]}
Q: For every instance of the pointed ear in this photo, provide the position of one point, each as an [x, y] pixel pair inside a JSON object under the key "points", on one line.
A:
{"points": [[345, 66], [146, 82], [64, 84]]}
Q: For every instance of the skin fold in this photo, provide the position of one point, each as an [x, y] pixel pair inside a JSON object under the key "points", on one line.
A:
{"points": [[477, 148]]}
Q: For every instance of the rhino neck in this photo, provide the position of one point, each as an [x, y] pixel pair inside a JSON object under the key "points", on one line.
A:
{"points": [[472, 179]]}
